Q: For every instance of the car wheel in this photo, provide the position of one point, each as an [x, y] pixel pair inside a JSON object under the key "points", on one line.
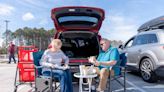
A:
{"points": [[146, 70]]}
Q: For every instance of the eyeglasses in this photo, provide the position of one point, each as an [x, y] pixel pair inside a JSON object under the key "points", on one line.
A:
{"points": [[102, 44]]}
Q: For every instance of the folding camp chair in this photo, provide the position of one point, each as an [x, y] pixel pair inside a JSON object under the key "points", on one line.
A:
{"points": [[25, 67], [43, 83], [121, 65]]}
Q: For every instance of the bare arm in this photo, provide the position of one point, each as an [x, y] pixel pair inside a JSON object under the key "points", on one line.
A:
{"points": [[108, 63]]}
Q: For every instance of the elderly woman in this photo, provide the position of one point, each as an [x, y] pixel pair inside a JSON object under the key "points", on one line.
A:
{"points": [[54, 57]]}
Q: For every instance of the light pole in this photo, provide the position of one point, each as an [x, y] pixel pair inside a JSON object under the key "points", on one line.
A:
{"points": [[6, 21]]}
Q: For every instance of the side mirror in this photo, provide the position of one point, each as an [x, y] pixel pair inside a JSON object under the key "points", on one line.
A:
{"points": [[121, 46]]}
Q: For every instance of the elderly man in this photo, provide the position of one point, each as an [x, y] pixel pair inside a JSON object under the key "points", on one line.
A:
{"points": [[107, 57]]}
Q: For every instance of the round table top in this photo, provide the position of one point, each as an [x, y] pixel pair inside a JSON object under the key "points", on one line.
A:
{"points": [[77, 75]]}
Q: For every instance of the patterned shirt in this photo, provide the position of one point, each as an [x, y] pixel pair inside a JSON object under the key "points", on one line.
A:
{"points": [[109, 55]]}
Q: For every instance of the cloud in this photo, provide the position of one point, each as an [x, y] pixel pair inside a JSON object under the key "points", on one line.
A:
{"points": [[6, 10], [118, 27], [28, 16], [37, 4]]}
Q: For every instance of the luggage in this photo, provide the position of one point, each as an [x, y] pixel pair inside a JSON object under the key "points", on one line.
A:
{"points": [[157, 23]]}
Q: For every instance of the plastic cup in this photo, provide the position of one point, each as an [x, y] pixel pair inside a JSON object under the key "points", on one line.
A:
{"points": [[81, 67]]}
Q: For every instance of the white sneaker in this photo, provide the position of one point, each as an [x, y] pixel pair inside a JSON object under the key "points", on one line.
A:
{"points": [[99, 90]]}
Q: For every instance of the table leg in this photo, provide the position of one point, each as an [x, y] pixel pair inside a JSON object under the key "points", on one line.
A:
{"points": [[81, 85], [90, 83]]}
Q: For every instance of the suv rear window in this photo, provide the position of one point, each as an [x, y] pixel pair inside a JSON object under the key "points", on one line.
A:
{"points": [[145, 39], [77, 18], [78, 21]]}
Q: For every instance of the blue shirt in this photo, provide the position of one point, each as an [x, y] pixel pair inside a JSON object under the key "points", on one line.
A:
{"points": [[109, 55]]}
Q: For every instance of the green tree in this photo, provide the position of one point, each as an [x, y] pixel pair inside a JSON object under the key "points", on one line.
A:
{"points": [[34, 36]]}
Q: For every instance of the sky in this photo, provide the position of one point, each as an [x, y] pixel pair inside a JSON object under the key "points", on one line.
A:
{"points": [[122, 17]]}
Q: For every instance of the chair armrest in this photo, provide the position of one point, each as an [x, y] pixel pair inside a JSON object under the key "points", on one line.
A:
{"points": [[37, 67], [121, 67]]}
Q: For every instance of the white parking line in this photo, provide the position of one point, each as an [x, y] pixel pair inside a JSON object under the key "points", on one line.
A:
{"points": [[129, 88], [138, 88]]}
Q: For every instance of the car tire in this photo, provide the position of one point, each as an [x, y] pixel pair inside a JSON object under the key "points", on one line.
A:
{"points": [[147, 71]]}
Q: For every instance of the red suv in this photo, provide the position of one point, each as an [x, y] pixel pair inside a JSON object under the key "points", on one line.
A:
{"points": [[78, 29]]}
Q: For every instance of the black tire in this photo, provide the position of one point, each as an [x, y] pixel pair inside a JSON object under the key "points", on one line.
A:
{"points": [[147, 71]]}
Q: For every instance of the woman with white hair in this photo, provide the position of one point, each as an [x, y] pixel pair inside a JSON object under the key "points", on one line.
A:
{"points": [[54, 57]]}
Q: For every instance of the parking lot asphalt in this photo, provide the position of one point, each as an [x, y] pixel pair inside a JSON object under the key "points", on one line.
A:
{"points": [[134, 82]]}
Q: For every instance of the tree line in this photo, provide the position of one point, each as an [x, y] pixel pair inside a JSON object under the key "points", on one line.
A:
{"points": [[38, 37]]}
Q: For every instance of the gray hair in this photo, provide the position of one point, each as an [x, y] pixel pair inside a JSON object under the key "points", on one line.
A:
{"points": [[105, 39]]}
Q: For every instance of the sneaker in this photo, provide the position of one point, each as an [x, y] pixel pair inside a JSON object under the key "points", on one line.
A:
{"points": [[99, 90]]}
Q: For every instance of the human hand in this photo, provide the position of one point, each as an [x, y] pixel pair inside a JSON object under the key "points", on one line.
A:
{"points": [[96, 63], [65, 67], [92, 59], [53, 66]]}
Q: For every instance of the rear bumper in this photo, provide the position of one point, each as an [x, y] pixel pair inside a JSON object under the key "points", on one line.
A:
{"points": [[160, 71]]}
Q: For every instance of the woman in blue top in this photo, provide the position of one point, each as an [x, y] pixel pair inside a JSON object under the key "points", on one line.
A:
{"points": [[54, 57], [107, 57]]}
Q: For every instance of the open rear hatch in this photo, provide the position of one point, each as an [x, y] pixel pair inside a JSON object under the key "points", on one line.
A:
{"points": [[157, 23], [73, 18]]}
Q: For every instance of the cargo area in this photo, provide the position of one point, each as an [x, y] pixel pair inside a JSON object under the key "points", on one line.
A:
{"points": [[79, 44]]}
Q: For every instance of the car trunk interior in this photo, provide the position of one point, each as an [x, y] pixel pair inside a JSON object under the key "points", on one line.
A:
{"points": [[79, 44]]}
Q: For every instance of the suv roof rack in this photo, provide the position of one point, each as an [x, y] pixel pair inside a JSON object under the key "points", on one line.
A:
{"points": [[157, 23]]}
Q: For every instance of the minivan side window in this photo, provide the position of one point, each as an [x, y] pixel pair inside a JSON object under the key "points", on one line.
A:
{"points": [[152, 38], [145, 39], [139, 40]]}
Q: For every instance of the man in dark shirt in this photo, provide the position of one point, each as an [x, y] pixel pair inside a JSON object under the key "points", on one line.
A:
{"points": [[11, 51]]}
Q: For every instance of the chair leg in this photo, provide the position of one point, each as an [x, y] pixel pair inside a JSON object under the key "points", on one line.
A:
{"points": [[15, 89], [109, 83], [125, 81], [15, 81], [35, 79], [51, 88]]}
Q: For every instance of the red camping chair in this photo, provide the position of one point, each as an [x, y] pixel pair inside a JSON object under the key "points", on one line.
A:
{"points": [[25, 66]]}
